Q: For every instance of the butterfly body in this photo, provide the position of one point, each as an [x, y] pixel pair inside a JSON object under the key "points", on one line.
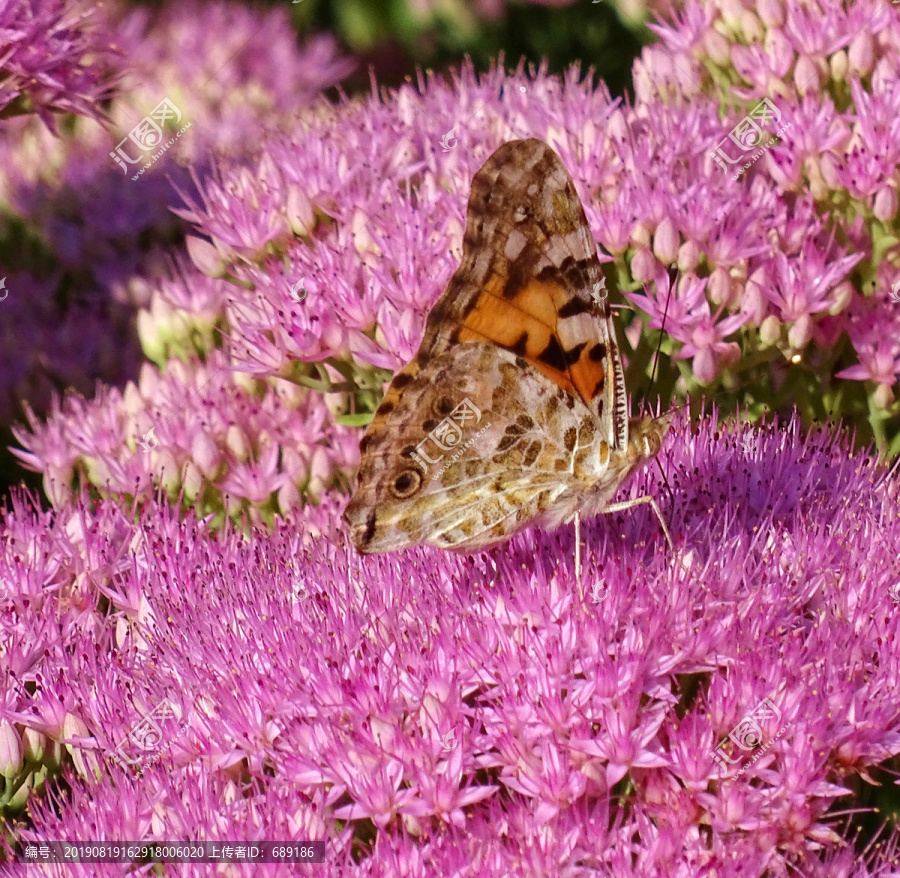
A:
{"points": [[513, 412]]}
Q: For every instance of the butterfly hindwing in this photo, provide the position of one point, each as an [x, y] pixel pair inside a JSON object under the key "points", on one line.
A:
{"points": [[489, 446]]}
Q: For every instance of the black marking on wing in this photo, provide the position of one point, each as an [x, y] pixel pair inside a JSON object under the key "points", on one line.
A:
{"points": [[557, 358], [574, 307], [521, 345], [370, 529]]}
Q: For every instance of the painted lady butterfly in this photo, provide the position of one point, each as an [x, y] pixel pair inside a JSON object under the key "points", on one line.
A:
{"points": [[513, 412]]}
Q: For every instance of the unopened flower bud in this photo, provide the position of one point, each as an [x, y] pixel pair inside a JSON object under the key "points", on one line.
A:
{"points": [[719, 286], [643, 266], [753, 302], [167, 470], [85, 760], [751, 27], [717, 47], [839, 65], [843, 295], [884, 396], [665, 242], [731, 13], [10, 750], [640, 237], [299, 211], [806, 76], [771, 12], [192, 482], [862, 53], [34, 743], [237, 442], [688, 256], [885, 207], [770, 331], [801, 332], [205, 453]]}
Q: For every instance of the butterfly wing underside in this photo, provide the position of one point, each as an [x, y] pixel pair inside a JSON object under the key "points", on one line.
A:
{"points": [[527, 309]]}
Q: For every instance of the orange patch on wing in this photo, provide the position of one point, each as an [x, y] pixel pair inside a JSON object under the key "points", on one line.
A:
{"points": [[588, 375], [527, 325]]}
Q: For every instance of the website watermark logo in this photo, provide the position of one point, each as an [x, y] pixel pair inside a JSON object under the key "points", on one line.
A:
{"points": [[148, 740], [599, 593], [459, 452], [748, 734], [599, 293], [149, 441], [747, 135], [895, 291], [298, 290], [447, 436], [299, 591], [147, 136], [446, 145], [449, 741], [894, 592]]}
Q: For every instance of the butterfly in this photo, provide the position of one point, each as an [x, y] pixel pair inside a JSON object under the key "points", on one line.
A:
{"points": [[513, 412]]}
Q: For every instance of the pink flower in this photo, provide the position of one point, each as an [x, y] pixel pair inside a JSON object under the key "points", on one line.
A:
{"points": [[57, 57]]}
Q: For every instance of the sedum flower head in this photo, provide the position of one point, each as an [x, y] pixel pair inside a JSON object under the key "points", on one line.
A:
{"points": [[315, 261], [433, 712], [829, 74]]}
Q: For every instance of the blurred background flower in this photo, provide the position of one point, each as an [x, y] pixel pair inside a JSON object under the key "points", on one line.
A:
{"points": [[58, 57], [81, 244]]}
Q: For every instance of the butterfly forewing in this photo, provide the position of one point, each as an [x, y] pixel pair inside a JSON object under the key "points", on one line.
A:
{"points": [[529, 280]]}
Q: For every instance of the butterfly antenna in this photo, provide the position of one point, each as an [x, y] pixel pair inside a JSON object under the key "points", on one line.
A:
{"points": [[662, 330]]}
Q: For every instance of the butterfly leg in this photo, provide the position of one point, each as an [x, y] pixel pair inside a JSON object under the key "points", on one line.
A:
{"points": [[578, 555], [628, 504]]}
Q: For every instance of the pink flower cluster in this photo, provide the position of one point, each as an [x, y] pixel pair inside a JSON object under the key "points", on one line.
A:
{"points": [[88, 244], [429, 714], [776, 302], [432, 714], [224, 446], [825, 192]]}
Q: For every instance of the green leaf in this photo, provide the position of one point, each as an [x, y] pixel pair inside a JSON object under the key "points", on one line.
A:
{"points": [[360, 420]]}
